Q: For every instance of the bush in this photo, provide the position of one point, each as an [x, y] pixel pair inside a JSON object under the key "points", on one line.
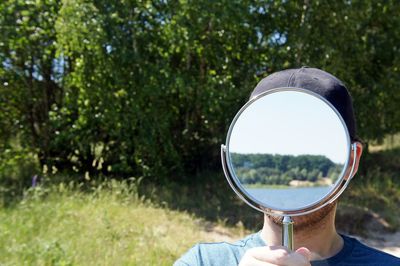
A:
{"points": [[17, 169]]}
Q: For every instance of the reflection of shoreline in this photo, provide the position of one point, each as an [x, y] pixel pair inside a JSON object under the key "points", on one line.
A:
{"points": [[295, 171], [265, 186], [292, 184], [321, 182]]}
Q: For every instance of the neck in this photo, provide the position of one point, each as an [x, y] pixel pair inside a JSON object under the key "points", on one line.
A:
{"points": [[321, 239]]}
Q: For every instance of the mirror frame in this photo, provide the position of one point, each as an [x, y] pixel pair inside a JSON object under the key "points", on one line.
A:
{"points": [[330, 197]]}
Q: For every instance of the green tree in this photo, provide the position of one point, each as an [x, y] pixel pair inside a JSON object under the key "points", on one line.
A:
{"points": [[29, 73], [149, 88]]}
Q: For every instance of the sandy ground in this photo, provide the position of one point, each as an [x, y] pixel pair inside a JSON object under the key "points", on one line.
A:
{"points": [[387, 242]]}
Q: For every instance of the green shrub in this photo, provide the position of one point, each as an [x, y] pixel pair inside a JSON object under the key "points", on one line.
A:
{"points": [[17, 168]]}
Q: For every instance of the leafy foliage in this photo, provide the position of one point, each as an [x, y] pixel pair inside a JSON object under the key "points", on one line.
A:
{"points": [[148, 88]]}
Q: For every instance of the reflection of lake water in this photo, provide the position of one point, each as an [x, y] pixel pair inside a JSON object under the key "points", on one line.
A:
{"points": [[288, 198]]}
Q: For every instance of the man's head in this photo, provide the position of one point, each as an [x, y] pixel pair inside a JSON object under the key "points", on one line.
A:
{"points": [[334, 91]]}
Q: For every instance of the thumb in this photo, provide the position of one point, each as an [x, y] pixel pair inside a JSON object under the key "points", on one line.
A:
{"points": [[305, 252]]}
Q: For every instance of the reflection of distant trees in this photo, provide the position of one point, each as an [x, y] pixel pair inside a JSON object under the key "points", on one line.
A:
{"points": [[281, 169]]}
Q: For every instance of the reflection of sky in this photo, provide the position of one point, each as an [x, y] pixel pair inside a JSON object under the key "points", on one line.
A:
{"points": [[291, 123]]}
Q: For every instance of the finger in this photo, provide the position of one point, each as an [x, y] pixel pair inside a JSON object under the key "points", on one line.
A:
{"points": [[273, 255], [251, 261], [302, 257], [305, 252], [281, 256]]}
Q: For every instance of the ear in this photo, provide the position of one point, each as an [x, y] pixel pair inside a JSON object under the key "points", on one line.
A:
{"points": [[358, 157]]}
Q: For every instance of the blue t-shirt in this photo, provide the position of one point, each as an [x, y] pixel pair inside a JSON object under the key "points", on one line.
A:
{"points": [[352, 253]]}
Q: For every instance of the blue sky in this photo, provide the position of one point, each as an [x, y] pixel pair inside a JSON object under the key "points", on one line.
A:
{"points": [[290, 123]]}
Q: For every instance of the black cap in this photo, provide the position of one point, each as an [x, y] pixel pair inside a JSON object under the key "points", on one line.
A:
{"points": [[317, 81]]}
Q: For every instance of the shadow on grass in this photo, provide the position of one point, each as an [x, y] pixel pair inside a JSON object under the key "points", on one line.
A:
{"points": [[207, 196], [373, 197], [376, 190]]}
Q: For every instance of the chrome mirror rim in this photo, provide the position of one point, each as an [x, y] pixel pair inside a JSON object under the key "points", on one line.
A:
{"points": [[332, 195]]}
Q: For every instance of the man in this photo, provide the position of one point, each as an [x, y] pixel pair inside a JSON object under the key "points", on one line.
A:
{"points": [[316, 239]]}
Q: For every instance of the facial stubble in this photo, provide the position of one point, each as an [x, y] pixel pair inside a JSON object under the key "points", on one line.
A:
{"points": [[309, 221]]}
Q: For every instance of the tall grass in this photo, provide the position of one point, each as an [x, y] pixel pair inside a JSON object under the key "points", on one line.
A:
{"points": [[112, 225], [119, 223]]}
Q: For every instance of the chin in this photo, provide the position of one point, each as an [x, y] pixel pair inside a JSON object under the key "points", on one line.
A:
{"points": [[308, 221]]}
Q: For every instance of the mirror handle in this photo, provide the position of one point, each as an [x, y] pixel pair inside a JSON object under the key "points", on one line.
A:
{"points": [[287, 233]]}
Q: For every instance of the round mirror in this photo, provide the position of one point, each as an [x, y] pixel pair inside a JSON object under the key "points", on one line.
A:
{"points": [[287, 152]]}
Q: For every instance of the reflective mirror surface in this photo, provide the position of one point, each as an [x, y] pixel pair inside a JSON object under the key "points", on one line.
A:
{"points": [[287, 150]]}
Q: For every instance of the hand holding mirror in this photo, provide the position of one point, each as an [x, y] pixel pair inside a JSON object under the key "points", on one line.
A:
{"points": [[288, 153]]}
